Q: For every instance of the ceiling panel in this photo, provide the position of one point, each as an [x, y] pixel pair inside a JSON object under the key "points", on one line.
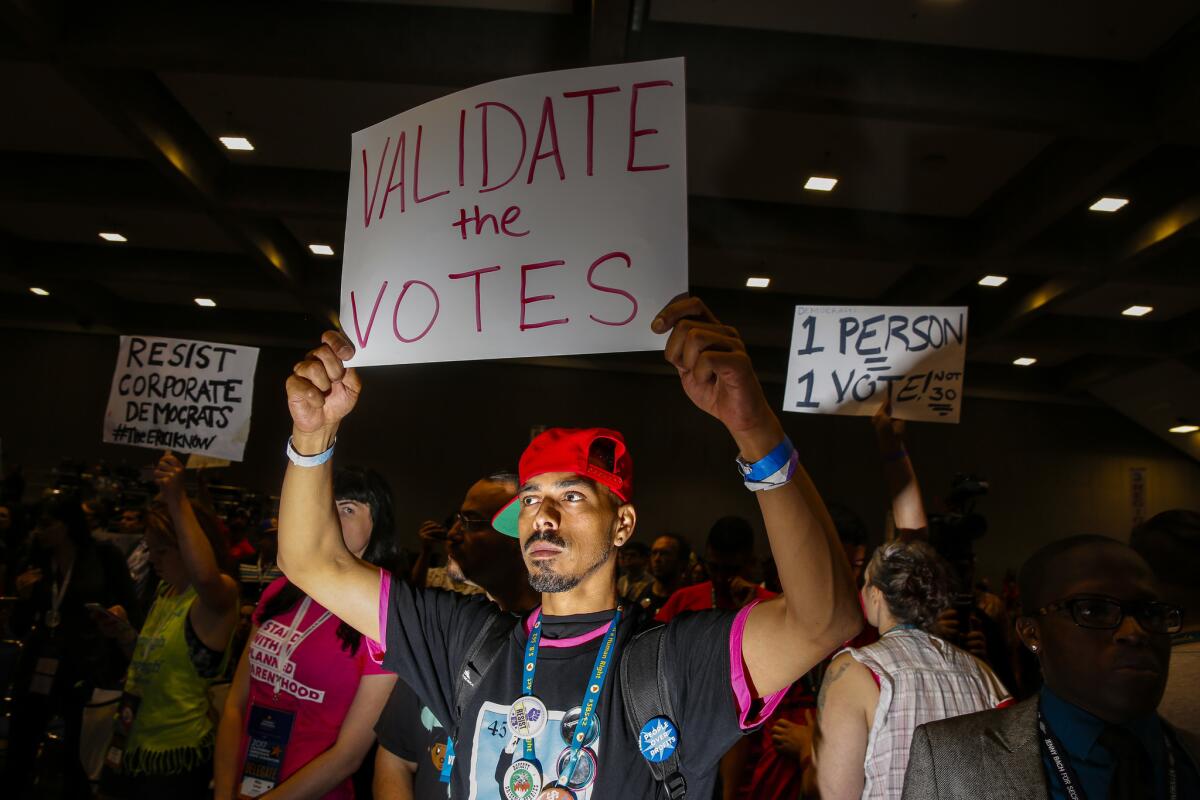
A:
{"points": [[1111, 29], [45, 115], [882, 166], [292, 122], [790, 273], [1109, 299], [168, 230]]}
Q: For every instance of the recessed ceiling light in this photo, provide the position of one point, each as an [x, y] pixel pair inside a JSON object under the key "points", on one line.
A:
{"points": [[40, 292], [1137, 311], [819, 184], [758, 283], [236, 143], [1185, 429], [321, 249], [113, 237], [1024, 361], [206, 302], [993, 280], [1109, 204]]}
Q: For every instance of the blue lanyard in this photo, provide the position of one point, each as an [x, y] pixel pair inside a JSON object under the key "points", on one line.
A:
{"points": [[591, 695]]}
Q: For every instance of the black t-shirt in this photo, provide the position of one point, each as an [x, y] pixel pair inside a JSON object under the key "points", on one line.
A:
{"points": [[429, 631], [408, 729], [650, 602]]}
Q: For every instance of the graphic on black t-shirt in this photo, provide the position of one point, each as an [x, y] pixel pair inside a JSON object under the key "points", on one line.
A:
{"points": [[429, 633], [493, 746]]}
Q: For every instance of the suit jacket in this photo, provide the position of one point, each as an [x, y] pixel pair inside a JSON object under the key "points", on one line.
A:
{"points": [[992, 754]]}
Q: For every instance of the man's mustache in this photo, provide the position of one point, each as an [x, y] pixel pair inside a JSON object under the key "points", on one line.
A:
{"points": [[549, 537]]}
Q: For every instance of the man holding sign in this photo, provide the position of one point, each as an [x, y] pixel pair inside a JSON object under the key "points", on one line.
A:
{"points": [[554, 714]]}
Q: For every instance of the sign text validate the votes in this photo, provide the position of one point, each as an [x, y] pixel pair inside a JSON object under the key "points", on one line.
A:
{"points": [[539, 215]]}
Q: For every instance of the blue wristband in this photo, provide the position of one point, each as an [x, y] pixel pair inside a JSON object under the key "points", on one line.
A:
{"points": [[769, 464], [309, 461]]}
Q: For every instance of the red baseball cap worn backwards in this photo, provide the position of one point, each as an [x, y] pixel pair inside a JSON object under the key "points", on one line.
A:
{"points": [[596, 453]]}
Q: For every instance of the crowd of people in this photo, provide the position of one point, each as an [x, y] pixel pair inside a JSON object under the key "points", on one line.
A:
{"points": [[539, 645]]}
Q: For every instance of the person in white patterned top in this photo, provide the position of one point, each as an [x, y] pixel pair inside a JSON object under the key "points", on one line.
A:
{"points": [[873, 698]]}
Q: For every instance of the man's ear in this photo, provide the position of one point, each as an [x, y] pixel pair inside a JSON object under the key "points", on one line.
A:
{"points": [[1031, 635], [623, 525]]}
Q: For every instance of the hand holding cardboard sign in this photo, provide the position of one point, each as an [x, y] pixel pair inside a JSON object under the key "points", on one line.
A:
{"points": [[168, 474], [321, 391]]}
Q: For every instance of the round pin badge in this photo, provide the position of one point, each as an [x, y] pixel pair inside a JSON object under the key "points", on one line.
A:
{"points": [[556, 792], [658, 739], [585, 769], [570, 728], [527, 717], [522, 780]]}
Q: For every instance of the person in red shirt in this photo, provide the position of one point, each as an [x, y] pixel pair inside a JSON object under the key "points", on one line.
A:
{"points": [[728, 558]]}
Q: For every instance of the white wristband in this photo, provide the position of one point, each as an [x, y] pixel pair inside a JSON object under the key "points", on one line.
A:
{"points": [[309, 461]]}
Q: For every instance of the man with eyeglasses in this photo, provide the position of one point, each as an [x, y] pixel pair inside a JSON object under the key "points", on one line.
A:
{"points": [[1092, 615], [412, 757]]}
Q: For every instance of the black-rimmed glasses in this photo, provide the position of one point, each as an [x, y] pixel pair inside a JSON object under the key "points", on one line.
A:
{"points": [[471, 523], [1107, 613]]}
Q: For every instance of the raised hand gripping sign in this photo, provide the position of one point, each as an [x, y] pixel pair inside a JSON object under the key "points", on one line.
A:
{"points": [[846, 360], [532, 216], [194, 397]]}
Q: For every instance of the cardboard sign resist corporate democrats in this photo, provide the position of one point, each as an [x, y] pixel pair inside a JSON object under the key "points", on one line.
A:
{"points": [[846, 361], [539, 215], [183, 395]]}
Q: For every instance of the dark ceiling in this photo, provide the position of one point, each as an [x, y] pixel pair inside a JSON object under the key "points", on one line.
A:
{"points": [[968, 139]]}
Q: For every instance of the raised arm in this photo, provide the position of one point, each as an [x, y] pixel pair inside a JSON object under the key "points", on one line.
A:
{"points": [[214, 613], [785, 637], [320, 393], [908, 510]]}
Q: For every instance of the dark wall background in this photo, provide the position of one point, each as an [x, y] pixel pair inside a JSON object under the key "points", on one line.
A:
{"points": [[432, 429]]}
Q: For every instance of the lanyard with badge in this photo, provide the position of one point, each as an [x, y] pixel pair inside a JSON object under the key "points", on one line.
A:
{"points": [[46, 667], [269, 729], [528, 716], [1067, 776]]}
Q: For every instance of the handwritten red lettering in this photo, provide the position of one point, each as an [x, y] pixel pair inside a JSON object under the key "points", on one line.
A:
{"points": [[368, 208], [399, 156], [437, 307], [417, 175], [462, 133], [611, 290], [510, 216], [362, 340], [590, 94], [478, 273], [525, 301], [634, 133], [547, 122], [484, 136]]}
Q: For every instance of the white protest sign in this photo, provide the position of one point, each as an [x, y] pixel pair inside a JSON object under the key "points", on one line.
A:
{"points": [[845, 360], [539, 215], [183, 395]]}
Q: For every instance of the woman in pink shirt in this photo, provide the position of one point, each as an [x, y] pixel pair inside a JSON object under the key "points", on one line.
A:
{"points": [[301, 712]]}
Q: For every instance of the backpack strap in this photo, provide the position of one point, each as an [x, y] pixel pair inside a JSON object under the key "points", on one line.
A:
{"points": [[646, 695], [479, 659]]}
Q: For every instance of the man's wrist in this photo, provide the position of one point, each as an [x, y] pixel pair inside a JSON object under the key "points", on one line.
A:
{"points": [[311, 443], [756, 442]]}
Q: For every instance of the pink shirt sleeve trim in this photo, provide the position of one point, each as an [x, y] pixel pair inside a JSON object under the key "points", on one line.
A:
{"points": [[737, 676], [376, 649]]}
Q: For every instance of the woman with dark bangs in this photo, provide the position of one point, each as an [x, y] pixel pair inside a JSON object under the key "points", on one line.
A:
{"points": [[164, 736], [301, 713]]}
